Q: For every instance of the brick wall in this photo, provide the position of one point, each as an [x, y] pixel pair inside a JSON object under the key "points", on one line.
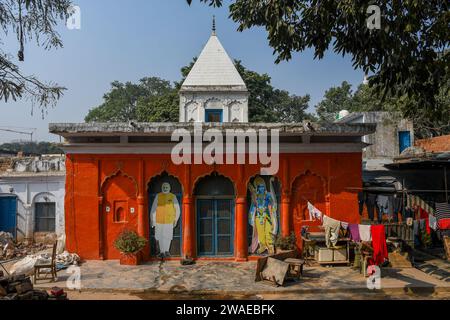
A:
{"points": [[437, 144]]}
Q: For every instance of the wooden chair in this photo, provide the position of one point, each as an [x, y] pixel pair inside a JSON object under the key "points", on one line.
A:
{"points": [[38, 268]]}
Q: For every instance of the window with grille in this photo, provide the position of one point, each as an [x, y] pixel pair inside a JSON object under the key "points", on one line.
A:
{"points": [[45, 217]]}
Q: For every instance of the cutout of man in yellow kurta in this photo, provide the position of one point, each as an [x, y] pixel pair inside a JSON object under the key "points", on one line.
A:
{"points": [[165, 213]]}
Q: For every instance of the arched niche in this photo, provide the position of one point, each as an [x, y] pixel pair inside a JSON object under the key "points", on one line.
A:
{"points": [[165, 203], [308, 187], [270, 204]]}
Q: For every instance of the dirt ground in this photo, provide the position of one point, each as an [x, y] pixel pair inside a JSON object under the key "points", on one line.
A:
{"points": [[87, 295]]}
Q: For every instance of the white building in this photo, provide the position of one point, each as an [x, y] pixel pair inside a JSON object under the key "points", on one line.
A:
{"points": [[213, 91], [32, 196]]}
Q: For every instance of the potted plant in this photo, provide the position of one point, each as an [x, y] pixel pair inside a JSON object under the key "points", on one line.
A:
{"points": [[130, 244], [288, 243]]}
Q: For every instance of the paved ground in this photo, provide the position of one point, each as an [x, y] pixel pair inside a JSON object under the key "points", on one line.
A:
{"points": [[432, 265], [230, 280]]}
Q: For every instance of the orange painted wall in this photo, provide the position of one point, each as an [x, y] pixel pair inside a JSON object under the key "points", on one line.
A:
{"points": [[96, 181]]}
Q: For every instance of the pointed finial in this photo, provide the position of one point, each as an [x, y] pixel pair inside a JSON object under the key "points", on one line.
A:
{"points": [[214, 26]]}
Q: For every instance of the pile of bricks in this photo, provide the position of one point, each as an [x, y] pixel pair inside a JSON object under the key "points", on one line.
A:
{"points": [[12, 250], [20, 288]]}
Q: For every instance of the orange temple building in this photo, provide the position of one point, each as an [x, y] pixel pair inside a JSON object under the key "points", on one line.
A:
{"points": [[121, 176]]}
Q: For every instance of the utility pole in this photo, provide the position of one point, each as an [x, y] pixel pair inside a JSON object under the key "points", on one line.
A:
{"points": [[29, 133]]}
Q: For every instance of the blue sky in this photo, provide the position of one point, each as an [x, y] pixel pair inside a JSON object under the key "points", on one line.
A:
{"points": [[127, 40]]}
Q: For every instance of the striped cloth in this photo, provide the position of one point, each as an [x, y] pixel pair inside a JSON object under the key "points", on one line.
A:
{"points": [[442, 211], [413, 202]]}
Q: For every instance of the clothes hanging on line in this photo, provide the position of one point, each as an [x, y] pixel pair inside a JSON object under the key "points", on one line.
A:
{"points": [[413, 201], [442, 211], [361, 201], [397, 206], [354, 232], [383, 204], [444, 224], [371, 204], [365, 233], [380, 251], [332, 227], [416, 227], [314, 213], [432, 221]]}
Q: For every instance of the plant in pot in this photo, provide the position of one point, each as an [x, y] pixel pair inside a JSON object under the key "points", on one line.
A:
{"points": [[130, 245], [286, 243]]}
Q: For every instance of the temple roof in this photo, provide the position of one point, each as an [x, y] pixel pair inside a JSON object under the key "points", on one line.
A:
{"points": [[214, 69], [166, 128]]}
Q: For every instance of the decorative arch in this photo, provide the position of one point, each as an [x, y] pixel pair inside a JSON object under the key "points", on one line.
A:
{"points": [[44, 197], [118, 173], [209, 100], [311, 173], [161, 174], [311, 187], [213, 173]]}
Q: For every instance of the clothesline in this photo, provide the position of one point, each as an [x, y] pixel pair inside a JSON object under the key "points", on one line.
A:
{"points": [[392, 191]]}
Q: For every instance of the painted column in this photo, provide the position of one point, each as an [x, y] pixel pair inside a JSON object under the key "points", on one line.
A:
{"points": [[188, 228], [285, 216], [241, 229], [141, 228], [101, 224]]}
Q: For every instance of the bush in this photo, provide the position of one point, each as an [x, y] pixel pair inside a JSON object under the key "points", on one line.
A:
{"points": [[286, 243], [128, 242]]}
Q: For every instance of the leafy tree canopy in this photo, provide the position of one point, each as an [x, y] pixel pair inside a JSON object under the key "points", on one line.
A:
{"points": [[427, 124], [30, 20], [156, 100], [407, 56], [32, 147]]}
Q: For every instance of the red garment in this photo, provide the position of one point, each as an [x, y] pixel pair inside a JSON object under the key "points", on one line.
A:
{"points": [[423, 214], [427, 225], [380, 252], [444, 224]]}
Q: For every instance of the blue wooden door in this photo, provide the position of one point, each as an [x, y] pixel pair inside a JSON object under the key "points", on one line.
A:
{"points": [[8, 213], [215, 232], [404, 140]]}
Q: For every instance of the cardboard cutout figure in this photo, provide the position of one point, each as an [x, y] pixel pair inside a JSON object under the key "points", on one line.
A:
{"points": [[263, 216], [165, 213]]}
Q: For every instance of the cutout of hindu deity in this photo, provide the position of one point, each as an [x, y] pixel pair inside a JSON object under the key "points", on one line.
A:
{"points": [[263, 216], [165, 213]]}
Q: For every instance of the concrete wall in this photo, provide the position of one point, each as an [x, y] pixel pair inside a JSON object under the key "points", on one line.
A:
{"points": [[385, 145], [31, 190], [35, 180]]}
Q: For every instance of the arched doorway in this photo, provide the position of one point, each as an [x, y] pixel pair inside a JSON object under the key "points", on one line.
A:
{"points": [[165, 198], [119, 211], [215, 216], [308, 187], [264, 203]]}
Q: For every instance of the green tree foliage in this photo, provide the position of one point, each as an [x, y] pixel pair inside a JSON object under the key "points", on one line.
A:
{"points": [[407, 55], [32, 147], [268, 104], [156, 100], [152, 99], [335, 100], [435, 122], [30, 20]]}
